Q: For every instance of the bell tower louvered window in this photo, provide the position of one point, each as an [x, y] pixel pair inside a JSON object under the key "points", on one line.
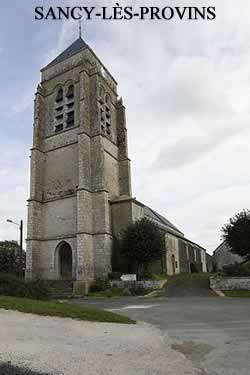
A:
{"points": [[64, 110], [70, 104], [59, 96], [105, 115]]}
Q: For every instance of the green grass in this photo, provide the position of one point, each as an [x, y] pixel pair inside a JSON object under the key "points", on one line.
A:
{"points": [[237, 293], [62, 310]]}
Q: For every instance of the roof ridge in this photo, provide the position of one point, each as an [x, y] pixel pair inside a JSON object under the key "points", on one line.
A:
{"points": [[163, 221], [161, 217]]}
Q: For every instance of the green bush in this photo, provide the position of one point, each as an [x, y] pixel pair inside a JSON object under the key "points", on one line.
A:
{"points": [[142, 243], [115, 275], [13, 286], [236, 233], [138, 291], [10, 258], [99, 286], [236, 269]]}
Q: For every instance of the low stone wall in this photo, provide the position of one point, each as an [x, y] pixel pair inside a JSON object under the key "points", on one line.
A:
{"points": [[145, 284], [230, 283]]}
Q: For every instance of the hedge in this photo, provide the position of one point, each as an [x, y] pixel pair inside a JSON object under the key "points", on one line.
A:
{"points": [[16, 287]]}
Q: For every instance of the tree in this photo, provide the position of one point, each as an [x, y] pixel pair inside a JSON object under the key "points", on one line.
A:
{"points": [[10, 257], [142, 243], [236, 233]]}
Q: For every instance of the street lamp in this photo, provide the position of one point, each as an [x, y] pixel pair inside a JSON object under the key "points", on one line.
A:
{"points": [[20, 226]]}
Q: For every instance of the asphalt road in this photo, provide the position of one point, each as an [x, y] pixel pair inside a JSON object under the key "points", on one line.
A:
{"points": [[213, 332]]}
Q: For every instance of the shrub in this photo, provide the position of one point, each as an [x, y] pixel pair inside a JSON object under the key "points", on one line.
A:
{"points": [[13, 286], [99, 286], [138, 291], [236, 233], [146, 275], [236, 269], [10, 257], [142, 243], [115, 275]]}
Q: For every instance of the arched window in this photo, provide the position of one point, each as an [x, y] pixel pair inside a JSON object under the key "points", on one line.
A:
{"points": [[59, 96], [64, 110], [70, 119], [70, 92], [59, 110]]}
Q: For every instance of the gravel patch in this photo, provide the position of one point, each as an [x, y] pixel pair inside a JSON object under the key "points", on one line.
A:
{"points": [[9, 369], [62, 346]]}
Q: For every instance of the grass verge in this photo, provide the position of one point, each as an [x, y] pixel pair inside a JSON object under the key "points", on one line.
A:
{"points": [[237, 293], [62, 310]]}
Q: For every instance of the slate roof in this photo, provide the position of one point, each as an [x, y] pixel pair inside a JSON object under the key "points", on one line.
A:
{"points": [[74, 48], [166, 225], [161, 221]]}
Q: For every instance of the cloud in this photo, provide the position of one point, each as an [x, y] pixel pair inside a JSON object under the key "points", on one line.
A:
{"points": [[186, 86], [14, 186], [200, 143], [26, 102]]}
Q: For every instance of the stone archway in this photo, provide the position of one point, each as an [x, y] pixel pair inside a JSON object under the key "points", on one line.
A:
{"points": [[65, 261]]}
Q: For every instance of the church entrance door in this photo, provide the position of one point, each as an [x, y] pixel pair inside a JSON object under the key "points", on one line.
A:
{"points": [[65, 262]]}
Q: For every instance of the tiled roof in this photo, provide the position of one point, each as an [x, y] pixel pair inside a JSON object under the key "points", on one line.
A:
{"points": [[74, 48]]}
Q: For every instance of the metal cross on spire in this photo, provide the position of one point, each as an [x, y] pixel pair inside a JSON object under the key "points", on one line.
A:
{"points": [[80, 28]]}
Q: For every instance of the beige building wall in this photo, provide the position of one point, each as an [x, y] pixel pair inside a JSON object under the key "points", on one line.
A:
{"points": [[173, 260]]}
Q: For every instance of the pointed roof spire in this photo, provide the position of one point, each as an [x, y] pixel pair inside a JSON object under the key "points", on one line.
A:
{"points": [[74, 48]]}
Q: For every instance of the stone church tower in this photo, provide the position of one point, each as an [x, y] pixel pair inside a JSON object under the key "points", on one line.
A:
{"points": [[79, 164]]}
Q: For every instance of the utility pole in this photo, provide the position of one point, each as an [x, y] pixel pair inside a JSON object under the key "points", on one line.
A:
{"points": [[21, 249], [20, 226]]}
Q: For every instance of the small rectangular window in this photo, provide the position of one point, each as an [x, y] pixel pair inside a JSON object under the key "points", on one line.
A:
{"points": [[59, 128], [59, 109]]}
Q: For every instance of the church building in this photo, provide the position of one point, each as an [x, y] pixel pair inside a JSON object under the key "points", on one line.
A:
{"points": [[80, 188]]}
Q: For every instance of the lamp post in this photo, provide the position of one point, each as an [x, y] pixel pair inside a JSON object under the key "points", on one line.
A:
{"points": [[20, 226]]}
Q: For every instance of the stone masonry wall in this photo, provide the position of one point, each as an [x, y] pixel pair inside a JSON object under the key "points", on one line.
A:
{"points": [[230, 283], [145, 284]]}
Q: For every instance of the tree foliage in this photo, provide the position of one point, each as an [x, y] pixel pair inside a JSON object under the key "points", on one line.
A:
{"points": [[236, 233], [10, 257], [142, 242]]}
